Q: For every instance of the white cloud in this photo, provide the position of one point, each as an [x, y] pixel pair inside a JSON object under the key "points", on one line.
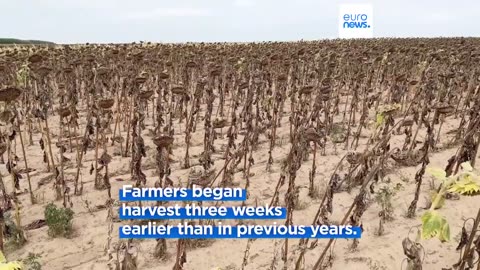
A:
{"points": [[168, 12]]}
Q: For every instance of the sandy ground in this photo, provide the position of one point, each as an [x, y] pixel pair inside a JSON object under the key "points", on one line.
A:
{"points": [[85, 250]]}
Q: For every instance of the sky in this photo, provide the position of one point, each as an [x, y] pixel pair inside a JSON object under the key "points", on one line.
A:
{"points": [[124, 21]]}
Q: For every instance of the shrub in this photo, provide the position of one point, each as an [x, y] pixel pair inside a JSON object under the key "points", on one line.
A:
{"points": [[14, 234], [59, 220]]}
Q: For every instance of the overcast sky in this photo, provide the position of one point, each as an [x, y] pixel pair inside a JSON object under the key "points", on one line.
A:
{"points": [[105, 21]]}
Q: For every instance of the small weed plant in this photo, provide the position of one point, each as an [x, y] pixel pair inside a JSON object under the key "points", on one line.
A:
{"points": [[59, 220]]}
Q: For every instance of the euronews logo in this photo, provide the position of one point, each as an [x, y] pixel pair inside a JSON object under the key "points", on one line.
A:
{"points": [[355, 21]]}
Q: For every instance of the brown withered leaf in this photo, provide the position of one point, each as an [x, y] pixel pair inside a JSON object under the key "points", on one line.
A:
{"points": [[105, 159], [39, 223], [463, 239]]}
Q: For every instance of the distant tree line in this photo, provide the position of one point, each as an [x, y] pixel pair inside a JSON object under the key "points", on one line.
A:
{"points": [[9, 41]]}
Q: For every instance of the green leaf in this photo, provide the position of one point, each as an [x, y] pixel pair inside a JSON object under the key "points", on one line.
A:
{"points": [[465, 186], [437, 173], [2, 257], [11, 266], [380, 119], [4, 265], [435, 225], [445, 233]]}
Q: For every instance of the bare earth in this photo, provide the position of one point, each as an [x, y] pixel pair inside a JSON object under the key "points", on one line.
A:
{"points": [[85, 250]]}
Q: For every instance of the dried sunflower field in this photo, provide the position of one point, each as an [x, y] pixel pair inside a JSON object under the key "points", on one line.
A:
{"points": [[378, 133]]}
